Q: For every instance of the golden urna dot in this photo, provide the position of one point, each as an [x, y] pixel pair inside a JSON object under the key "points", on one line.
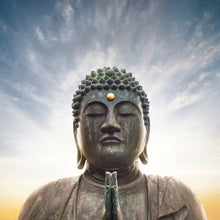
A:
{"points": [[110, 96]]}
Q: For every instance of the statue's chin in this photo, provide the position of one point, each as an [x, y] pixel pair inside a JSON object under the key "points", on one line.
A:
{"points": [[112, 148], [111, 156]]}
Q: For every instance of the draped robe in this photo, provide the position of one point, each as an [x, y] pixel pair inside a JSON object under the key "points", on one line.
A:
{"points": [[151, 198]]}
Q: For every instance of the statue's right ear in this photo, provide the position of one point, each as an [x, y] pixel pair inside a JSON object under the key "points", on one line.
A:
{"points": [[80, 158]]}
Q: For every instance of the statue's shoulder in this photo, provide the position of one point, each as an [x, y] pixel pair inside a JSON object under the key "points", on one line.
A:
{"points": [[49, 200], [168, 196]]}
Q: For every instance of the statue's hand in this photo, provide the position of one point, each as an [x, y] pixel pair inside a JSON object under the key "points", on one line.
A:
{"points": [[106, 214], [116, 210], [112, 209]]}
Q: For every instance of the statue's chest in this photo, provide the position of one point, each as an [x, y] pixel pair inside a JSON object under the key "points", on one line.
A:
{"points": [[90, 203]]}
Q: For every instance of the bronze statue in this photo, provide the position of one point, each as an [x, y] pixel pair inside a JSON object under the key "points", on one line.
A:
{"points": [[111, 129]]}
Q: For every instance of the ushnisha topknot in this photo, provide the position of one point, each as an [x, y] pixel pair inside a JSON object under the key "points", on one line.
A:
{"points": [[109, 78]]}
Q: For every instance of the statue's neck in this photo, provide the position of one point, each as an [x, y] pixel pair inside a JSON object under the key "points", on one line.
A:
{"points": [[124, 175]]}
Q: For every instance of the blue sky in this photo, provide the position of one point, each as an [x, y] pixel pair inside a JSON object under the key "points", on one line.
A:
{"points": [[46, 49]]}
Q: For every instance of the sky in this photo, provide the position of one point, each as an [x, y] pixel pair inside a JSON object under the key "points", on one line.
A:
{"points": [[47, 48]]}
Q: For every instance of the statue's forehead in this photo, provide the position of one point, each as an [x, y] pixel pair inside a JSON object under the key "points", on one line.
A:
{"points": [[119, 96]]}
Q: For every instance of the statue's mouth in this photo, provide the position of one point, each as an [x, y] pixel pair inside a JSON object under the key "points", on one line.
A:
{"points": [[110, 140]]}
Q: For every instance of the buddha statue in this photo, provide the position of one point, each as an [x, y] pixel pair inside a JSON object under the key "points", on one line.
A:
{"points": [[111, 129]]}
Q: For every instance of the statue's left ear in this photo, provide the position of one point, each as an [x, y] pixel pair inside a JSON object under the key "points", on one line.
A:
{"points": [[80, 158], [143, 157]]}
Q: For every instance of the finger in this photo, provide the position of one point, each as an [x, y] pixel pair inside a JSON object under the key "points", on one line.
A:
{"points": [[115, 185], [114, 179], [108, 202], [108, 179], [114, 194], [114, 199], [116, 210]]}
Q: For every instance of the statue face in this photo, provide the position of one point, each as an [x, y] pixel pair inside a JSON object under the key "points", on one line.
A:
{"points": [[111, 134]]}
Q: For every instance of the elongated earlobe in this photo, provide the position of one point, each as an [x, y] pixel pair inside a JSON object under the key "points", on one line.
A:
{"points": [[143, 157], [80, 158]]}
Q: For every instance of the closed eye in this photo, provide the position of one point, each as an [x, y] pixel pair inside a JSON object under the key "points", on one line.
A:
{"points": [[95, 114], [126, 114]]}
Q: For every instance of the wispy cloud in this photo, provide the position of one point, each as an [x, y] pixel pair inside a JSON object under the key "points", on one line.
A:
{"points": [[67, 29], [40, 34], [43, 60]]}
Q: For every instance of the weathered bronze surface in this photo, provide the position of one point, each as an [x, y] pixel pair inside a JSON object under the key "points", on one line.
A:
{"points": [[111, 129]]}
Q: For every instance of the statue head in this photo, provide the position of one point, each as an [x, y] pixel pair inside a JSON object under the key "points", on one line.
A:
{"points": [[111, 120]]}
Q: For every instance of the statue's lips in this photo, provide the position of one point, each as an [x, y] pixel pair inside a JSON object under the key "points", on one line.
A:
{"points": [[110, 140]]}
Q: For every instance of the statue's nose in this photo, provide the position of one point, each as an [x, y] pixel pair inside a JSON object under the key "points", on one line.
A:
{"points": [[111, 124]]}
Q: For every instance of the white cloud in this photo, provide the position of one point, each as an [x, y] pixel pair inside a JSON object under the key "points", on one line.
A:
{"points": [[192, 85], [184, 100], [30, 91], [4, 27], [188, 96], [46, 37], [206, 15], [40, 34], [204, 76], [217, 75], [66, 10], [67, 30]]}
